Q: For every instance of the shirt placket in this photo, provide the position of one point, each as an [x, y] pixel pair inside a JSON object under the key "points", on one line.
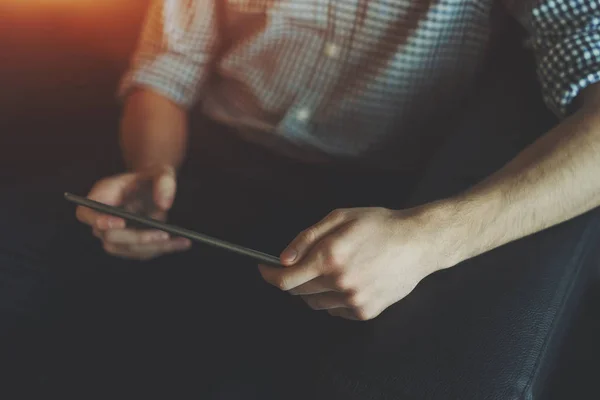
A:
{"points": [[301, 117]]}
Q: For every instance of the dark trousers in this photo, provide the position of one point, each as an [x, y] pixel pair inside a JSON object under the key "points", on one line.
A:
{"points": [[203, 321]]}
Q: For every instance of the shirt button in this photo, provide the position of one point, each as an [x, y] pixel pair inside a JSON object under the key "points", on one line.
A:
{"points": [[332, 50], [303, 115]]}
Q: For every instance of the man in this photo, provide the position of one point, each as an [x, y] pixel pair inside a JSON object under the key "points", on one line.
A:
{"points": [[343, 89], [342, 79]]}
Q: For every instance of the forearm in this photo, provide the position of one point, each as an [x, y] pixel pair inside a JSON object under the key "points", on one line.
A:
{"points": [[154, 131], [553, 180]]}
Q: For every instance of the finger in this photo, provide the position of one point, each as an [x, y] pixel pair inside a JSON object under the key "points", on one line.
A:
{"points": [[98, 220], [164, 189], [319, 285], [126, 253], [146, 252], [300, 246], [133, 237], [325, 301], [98, 233], [290, 278], [170, 246], [109, 191], [106, 222], [342, 313], [316, 263]]}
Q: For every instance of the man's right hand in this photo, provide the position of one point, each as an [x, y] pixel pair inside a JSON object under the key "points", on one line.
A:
{"points": [[150, 193]]}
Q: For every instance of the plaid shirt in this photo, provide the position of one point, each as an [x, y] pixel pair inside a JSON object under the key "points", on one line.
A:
{"points": [[355, 79]]}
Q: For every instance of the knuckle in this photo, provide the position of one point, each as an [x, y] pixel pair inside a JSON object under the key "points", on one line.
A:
{"points": [[368, 313], [110, 248], [313, 302], [109, 237], [334, 253], [280, 283], [308, 235], [356, 300], [334, 312], [339, 214], [117, 237], [363, 315], [166, 171], [342, 283]]}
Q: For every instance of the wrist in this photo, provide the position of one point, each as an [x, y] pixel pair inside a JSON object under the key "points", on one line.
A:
{"points": [[456, 227], [471, 220]]}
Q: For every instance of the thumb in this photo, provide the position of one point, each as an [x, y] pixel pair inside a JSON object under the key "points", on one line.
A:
{"points": [[301, 245], [108, 191], [164, 188]]}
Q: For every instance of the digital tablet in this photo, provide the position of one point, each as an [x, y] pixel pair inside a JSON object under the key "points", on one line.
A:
{"points": [[258, 256]]}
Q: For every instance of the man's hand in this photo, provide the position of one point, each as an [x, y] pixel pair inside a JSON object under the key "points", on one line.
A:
{"points": [[150, 193], [357, 262]]}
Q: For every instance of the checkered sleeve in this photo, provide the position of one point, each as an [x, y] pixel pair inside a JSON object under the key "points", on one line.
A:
{"points": [[566, 39], [174, 52]]}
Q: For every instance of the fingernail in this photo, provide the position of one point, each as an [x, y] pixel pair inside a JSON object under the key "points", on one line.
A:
{"points": [[289, 255], [184, 246]]}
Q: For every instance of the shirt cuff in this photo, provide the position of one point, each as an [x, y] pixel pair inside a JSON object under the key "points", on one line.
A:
{"points": [[167, 74], [569, 67]]}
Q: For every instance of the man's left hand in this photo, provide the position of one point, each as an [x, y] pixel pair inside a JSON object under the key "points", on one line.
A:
{"points": [[357, 262]]}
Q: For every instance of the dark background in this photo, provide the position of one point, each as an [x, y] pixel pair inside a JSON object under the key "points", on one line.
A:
{"points": [[60, 63]]}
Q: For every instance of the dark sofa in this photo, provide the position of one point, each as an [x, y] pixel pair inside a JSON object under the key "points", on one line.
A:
{"points": [[492, 328]]}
